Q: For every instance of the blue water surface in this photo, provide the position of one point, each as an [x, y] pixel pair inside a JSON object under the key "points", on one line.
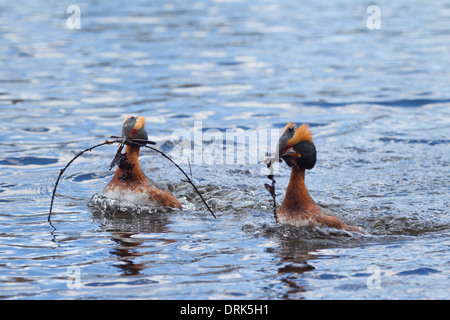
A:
{"points": [[377, 101]]}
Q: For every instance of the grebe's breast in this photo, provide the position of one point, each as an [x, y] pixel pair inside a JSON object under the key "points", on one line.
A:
{"points": [[313, 216], [299, 218], [142, 192]]}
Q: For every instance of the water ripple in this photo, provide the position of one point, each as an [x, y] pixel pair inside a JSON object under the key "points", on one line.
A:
{"points": [[376, 100]]}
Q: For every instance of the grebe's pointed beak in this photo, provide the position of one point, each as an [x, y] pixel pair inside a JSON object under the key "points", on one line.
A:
{"points": [[284, 146], [289, 153]]}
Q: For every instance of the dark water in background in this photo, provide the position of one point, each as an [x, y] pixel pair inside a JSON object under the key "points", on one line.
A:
{"points": [[378, 103]]}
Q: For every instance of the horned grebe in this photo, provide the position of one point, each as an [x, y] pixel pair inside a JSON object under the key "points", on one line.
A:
{"points": [[297, 149], [129, 182]]}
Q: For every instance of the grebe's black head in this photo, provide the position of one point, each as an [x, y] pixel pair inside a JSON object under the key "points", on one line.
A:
{"points": [[296, 146], [133, 130]]}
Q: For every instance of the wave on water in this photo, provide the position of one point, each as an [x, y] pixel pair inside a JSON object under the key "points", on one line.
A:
{"points": [[100, 204]]}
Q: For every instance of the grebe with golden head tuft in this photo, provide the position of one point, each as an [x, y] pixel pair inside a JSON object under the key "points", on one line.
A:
{"points": [[297, 149], [129, 182]]}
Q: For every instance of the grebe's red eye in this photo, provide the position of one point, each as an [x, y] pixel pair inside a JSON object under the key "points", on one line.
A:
{"points": [[134, 131]]}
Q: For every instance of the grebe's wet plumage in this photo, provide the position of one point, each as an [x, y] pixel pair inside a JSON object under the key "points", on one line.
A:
{"points": [[297, 149], [129, 182]]}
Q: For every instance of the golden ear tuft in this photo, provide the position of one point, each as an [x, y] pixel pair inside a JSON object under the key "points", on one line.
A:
{"points": [[302, 133], [140, 123], [290, 125]]}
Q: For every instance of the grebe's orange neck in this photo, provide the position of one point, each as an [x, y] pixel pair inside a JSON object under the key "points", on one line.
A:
{"points": [[132, 152], [129, 168], [297, 200]]}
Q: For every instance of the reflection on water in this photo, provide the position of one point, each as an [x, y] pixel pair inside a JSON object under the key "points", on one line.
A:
{"points": [[125, 223], [376, 100]]}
